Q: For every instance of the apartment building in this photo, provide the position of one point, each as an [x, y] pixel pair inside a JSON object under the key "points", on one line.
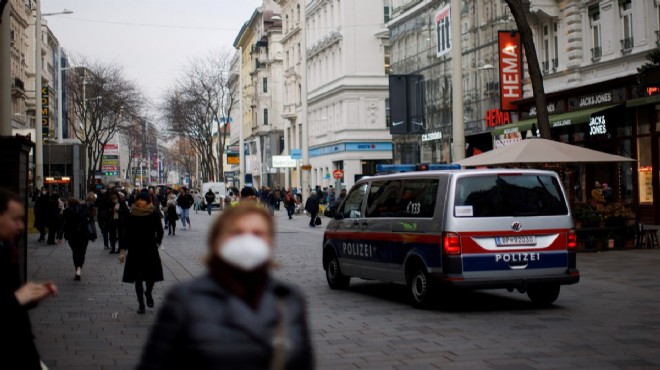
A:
{"points": [[20, 18], [347, 88], [262, 80]]}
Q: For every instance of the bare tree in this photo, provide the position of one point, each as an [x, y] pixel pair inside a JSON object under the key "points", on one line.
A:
{"points": [[520, 12], [199, 107], [181, 155], [101, 101]]}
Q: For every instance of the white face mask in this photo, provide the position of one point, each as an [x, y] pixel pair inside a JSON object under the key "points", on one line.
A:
{"points": [[245, 252]]}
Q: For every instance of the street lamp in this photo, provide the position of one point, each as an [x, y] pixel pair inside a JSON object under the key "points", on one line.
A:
{"points": [[38, 152]]}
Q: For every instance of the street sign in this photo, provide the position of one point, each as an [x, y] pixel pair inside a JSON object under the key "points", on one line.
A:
{"points": [[296, 154], [337, 174]]}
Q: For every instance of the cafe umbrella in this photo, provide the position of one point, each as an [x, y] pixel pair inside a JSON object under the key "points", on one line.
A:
{"points": [[539, 151]]}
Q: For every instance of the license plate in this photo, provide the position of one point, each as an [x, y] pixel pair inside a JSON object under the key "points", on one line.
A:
{"points": [[507, 241]]}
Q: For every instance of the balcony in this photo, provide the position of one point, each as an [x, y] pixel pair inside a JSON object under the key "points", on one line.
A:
{"points": [[555, 64], [596, 53], [627, 45], [545, 66]]}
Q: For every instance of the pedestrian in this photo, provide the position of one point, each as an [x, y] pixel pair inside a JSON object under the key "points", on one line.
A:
{"points": [[104, 211], [41, 213], [597, 199], [118, 214], [248, 194], [608, 193], [198, 200], [342, 196], [290, 203], [76, 220], [312, 207], [185, 201], [236, 316], [18, 350], [142, 238], [209, 197], [170, 214], [53, 217]]}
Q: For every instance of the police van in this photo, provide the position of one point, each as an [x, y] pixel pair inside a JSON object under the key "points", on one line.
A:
{"points": [[479, 229]]}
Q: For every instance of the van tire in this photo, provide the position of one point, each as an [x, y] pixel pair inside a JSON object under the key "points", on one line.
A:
{"points": [[422, 288], [336, 280], [543, 295]]}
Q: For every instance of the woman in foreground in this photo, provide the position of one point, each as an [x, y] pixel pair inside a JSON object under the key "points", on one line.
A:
{"points": [[237, 316]]}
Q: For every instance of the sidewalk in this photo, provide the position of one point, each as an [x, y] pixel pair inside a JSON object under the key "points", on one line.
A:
{"points": [[93, 323]]}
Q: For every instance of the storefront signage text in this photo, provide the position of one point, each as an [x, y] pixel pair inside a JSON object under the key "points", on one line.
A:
{"points": [[510, 70], [432, 136], [587, 101], [552, 107], [495, 117], [597, 125]]}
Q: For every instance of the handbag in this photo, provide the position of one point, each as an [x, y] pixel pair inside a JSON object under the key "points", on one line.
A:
{"points": [[317, 221], [178, 210]]}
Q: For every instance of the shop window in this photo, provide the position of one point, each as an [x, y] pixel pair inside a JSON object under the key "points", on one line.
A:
{"points": [[645, 170], [625, 172]]}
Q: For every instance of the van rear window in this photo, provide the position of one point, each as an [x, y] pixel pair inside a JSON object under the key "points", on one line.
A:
{"points": [[509, 196]]}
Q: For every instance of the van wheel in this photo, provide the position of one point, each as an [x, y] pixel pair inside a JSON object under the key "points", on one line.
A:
{"points": [[421, 287], [336, 280], [543, 295]]}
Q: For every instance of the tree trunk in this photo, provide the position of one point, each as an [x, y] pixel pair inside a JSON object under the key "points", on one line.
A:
{"points": [[520, 11]]}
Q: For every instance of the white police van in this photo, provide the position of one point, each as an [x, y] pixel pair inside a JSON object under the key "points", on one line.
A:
{"points": [[479, 229]]}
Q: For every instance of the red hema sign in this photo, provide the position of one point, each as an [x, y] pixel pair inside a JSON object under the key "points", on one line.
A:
{"points": [[510, 69]]}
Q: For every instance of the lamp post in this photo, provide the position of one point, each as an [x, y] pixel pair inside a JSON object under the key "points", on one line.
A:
{"points": [[38, 151]]}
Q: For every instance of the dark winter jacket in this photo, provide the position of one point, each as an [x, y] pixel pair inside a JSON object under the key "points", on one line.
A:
{"points": [[203, 326], [18, 350], [75, 222], [312, 204], [142, 236], [209, 197], [185, 201], [41, 210]]}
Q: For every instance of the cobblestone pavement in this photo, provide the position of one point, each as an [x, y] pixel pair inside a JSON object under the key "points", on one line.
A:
{"points": [[610, 320]]}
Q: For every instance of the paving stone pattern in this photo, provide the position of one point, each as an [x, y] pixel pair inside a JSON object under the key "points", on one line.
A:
{"points": [[611, 320]]}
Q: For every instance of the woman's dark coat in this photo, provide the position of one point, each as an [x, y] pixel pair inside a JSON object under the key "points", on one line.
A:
{"points": [[142, 236], [203, 326]]}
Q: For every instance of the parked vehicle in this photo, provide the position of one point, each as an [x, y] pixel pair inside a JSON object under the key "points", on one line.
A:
{"points": [[478, 229]]}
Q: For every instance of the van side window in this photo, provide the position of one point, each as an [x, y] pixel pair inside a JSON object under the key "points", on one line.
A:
{"points": [[352, 206], [418, 198], [383, 198]]}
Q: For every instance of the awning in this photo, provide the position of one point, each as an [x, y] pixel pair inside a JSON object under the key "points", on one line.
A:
{"points": [[643, 101], [556, 120]]}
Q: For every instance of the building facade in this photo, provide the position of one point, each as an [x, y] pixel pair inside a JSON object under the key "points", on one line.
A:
{"points": [[347, 89], [420, 69], [590, 53], [262, 76], [20, 19]]}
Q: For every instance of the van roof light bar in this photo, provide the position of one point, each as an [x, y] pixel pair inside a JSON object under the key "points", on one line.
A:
{"points": [[394, 168]]}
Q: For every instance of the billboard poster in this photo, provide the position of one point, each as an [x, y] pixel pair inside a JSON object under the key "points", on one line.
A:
{"points": [[510, 69], [443, 31]]}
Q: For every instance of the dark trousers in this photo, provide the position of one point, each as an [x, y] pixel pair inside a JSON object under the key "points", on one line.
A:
{"points": [[113, 233], [171, 227], [139, 291], [105, 231], [289, 210], [311, 221], [53, 228], [79, 249], [209, 207], [42, 230]]}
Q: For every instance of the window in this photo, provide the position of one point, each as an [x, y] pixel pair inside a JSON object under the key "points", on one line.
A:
{"points": [[409, 198], [509, 196], [546, 48], [387, 51], [297, 13], [383, 199], [387, 11], [594, 20], [265, 116], [625, 7], [388, 117], [352, 206], [555, 32], [264, 84]]}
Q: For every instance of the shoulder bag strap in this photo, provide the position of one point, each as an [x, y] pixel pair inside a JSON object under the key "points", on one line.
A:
{"points": [[281, 343]]}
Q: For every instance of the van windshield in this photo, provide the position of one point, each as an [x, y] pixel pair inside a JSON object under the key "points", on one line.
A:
{"points": [[508, 195]]}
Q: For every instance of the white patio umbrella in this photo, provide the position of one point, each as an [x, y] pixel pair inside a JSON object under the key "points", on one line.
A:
{"points": [[536, 150]]}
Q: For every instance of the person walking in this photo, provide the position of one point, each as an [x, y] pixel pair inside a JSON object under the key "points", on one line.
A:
{"points": [[170, 214], [18, 350], [142, 238], [53, 217], [104, 212], [185, 201], [290, 204], [118, 214], [76, 218], [209, 197], [312, 207], [237, 315], [198, 200], [41, 214]]}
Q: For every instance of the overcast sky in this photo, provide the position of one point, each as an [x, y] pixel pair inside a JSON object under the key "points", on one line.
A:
{"points": [[152, 39]]}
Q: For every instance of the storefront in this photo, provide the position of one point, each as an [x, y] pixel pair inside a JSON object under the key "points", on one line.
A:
{"points": [[613, 117]]}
